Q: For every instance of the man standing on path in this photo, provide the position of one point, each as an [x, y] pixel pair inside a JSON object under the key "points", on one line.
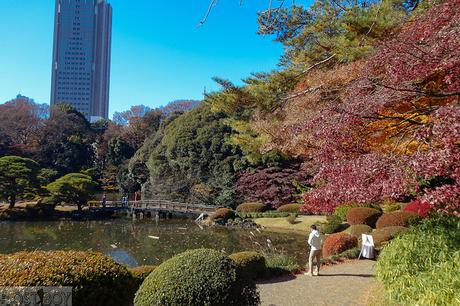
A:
{"points": [[315, 240]]}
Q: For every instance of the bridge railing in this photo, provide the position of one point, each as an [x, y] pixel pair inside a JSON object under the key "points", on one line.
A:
{"points": [[160, 204]]}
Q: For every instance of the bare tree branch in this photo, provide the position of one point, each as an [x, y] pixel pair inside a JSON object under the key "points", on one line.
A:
{"points": [[316, 65], [208, 12]]}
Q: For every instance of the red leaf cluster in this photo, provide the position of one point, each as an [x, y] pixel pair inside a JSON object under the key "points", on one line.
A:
{"points": [[396, 124], [418, 207], [272, 186]]}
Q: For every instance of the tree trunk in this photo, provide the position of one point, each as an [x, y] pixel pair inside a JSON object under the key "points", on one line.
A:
{"points": [[12, 201], [79, 207]]}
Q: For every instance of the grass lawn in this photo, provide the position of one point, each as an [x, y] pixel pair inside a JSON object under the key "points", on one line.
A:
{"points": [[281, 224]]}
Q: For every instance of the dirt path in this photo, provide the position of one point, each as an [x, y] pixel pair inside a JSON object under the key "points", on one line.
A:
{"points": [[344, 284]]}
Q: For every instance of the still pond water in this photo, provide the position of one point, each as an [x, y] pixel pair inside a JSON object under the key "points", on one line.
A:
{"points": [[142, 242]]}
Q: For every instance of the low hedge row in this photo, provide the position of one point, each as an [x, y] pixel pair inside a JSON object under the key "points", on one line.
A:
{"points": [[96, 279], [268, 214]]}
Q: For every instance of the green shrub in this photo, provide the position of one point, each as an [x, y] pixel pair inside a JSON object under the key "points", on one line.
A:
{"points": [[386, 234], [94, 203], [290, 208], [47, 201], [197, 277], [342, 210], [358, 229], [334, 224], [251, 207], [422, 267], [43, 209], [249, 264], [390, 207], [280, 264], [363, 215], [140, 273], [397, 218], [268, 214], [337, 243], [348, 254], [222, 213], [96, 279], [291, 219]]}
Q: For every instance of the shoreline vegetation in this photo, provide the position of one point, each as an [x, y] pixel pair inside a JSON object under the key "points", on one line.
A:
{"points": [[31, 211]]}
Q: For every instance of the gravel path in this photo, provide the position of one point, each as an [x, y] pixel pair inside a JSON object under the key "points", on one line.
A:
{"points": [[343, 284]]}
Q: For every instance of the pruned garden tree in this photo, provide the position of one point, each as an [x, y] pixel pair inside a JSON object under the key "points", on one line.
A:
{"points": [[73, 188], [18, 178]]}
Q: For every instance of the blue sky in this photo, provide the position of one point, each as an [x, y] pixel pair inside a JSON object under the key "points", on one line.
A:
{"points": [[158, 53]]}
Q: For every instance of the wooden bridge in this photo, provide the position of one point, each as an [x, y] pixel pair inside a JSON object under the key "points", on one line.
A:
{"points": [[155, 207]]}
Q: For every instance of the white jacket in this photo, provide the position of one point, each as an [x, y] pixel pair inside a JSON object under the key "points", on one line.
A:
{"points": [[315, 240]]}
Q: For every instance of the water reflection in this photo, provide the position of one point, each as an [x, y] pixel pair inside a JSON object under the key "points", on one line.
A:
{"points": [[131, 243]]}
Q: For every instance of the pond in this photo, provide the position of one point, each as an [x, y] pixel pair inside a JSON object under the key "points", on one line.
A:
{"points": [[143, 242]]}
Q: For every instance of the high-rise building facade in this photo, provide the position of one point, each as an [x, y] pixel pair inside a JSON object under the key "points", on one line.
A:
{"points": [[81, 56]]}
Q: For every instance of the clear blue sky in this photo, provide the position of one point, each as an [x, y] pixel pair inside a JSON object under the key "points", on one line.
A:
{"points": [[158, 53]]}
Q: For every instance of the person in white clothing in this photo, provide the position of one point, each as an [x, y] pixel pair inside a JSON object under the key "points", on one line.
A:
{"points": [[315, 240]]}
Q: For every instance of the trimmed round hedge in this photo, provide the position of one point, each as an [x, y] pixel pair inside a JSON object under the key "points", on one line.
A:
{"points": [[251, 207], [338, 243], [363, 215], [96, 279], [197, 277], [289, 208], [249, 264], [358, 229], [386, 234], [341, 211], [397, 218], [222, 213]]}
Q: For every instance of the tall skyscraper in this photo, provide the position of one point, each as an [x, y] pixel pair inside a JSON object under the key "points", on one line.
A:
{"points": [[81, 56]]}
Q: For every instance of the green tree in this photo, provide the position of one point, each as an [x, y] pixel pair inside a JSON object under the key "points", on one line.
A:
{"points": [[73, 188], [193, 156], [119, 151], [18, 178], [332, 31], [65, 142]]}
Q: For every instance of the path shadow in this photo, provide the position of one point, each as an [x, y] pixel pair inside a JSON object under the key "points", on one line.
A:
{"points": [[279, 279], [348, 274]]}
